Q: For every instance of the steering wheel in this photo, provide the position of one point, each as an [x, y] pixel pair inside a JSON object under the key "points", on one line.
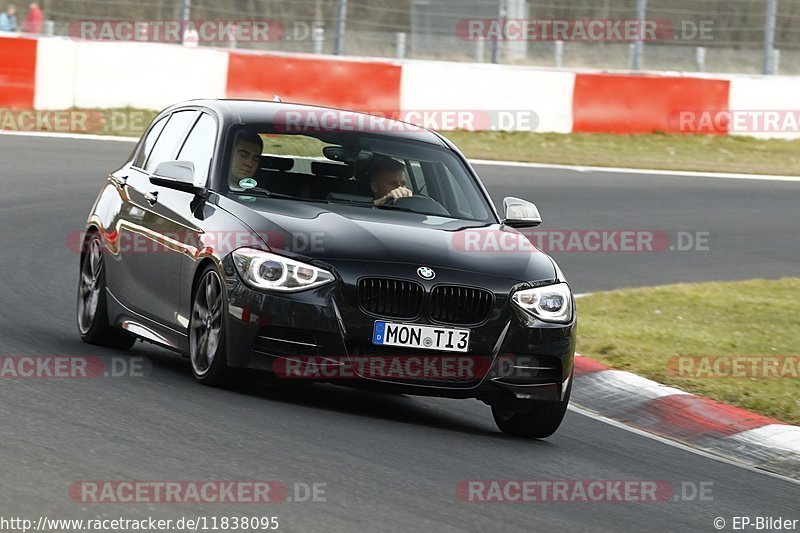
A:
{"points": [[420, 203]]}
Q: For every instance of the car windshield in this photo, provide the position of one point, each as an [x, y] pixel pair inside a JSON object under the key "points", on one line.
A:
{"points": [[356, 168]]}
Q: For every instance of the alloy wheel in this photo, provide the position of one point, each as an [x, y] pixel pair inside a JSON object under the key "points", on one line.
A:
{"points": [[90, 286], [206, 323]]}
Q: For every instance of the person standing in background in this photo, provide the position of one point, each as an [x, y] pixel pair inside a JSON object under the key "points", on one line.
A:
{"points": [[8, 19], [33, 20]]}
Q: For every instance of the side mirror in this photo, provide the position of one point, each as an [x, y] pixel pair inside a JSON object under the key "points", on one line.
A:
{"points": [[177, 175], [520, 213]]}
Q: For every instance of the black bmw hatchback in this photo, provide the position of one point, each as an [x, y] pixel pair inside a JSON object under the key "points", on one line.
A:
{"points": [[314, 244]]}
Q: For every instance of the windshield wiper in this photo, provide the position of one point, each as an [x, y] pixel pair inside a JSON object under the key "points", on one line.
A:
{"points": [[264, 192], [269, 194]]}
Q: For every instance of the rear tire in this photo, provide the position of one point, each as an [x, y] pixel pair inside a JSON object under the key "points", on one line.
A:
{"points": [[92, 310], [207, 330], [535, 419]]}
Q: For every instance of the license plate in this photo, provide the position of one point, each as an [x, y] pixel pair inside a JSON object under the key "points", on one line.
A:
{"points": [[425, 337]]}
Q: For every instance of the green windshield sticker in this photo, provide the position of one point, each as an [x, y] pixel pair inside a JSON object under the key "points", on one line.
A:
{"points": [[248, 183]]}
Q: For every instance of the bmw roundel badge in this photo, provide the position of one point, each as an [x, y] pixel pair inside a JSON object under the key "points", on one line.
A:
{"points": [[426, 273]]}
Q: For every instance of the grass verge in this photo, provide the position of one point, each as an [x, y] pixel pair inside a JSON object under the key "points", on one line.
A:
{"points": [[709, 153], [644, 330]]}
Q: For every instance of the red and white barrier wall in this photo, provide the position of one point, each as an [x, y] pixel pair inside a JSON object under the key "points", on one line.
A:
{"points": [[57, 73]]}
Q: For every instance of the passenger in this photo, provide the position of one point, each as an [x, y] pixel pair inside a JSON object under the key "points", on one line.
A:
{"points": [[387, 180], [245, 159]]}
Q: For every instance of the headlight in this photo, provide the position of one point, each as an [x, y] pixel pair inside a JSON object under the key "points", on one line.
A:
{"points": [[264, 270], [552, 303]]}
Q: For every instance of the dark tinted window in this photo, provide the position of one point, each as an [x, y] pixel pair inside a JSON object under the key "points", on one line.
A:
{"points": [[199, 148], [149, 141], [170, 139]]}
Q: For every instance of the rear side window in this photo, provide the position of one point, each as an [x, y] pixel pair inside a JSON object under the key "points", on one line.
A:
{"points": [[170, 139], [199, 148], [149, 141]]}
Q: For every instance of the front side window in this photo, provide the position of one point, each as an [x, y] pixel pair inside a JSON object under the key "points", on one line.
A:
{"points": [[149, 141], [166, 147], [199, 148]]}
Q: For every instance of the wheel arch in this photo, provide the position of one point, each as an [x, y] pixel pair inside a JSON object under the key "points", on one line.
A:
{"points": [[90, 229]]}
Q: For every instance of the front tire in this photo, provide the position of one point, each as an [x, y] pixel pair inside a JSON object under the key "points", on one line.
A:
{"points": [[535, 419], [92, 310], [207, 330]]}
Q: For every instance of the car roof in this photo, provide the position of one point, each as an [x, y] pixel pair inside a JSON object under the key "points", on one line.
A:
{"points": [[258, 111]]}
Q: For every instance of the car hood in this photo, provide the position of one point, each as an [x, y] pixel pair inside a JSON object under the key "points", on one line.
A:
{"points": [[334, 232]]}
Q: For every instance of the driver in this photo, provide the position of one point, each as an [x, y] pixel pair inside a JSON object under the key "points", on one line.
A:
{"points": [[387, 180], [246, 158]]}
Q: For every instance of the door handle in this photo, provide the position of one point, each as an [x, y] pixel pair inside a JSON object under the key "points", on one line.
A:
{"points": [[151, 197]]}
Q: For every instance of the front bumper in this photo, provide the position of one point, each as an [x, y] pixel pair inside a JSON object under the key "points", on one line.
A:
{"points": [[323, 334]]}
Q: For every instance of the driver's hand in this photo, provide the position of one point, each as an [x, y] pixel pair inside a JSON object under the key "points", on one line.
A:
{"points": [[400, 192]]}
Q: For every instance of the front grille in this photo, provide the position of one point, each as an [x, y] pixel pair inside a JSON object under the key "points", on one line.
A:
{"points": [[460, 305], [390, 297]]}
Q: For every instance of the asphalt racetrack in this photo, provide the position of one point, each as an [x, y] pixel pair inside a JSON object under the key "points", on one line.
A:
{"points": [[387, 462]]}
